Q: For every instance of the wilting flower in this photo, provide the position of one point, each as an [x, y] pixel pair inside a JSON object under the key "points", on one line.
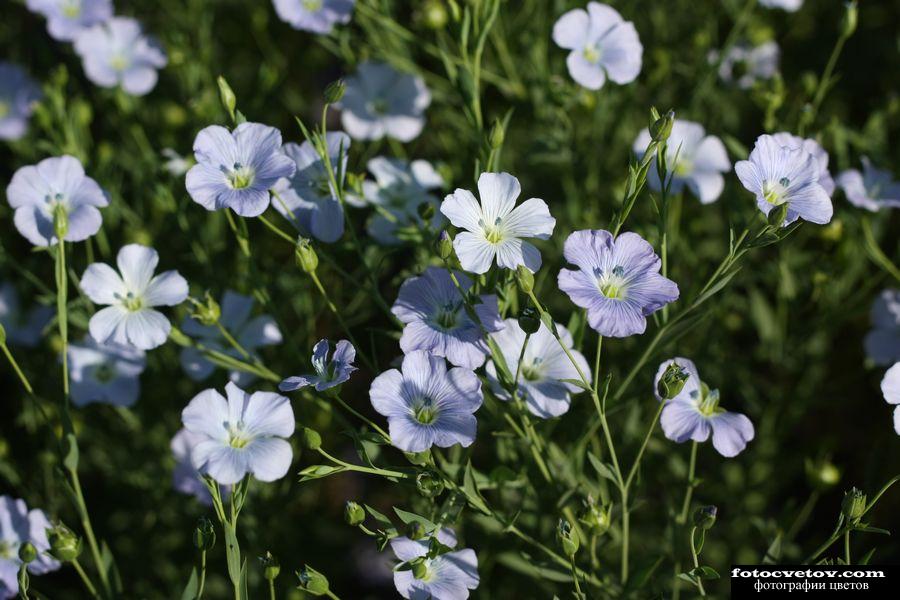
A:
{"points": [[67, 18], [330, 372], [693, 159], [18, 526], [317, 16], [748, 64], [236, 169], [435, 318], [241, 435], [185, 477], [495, 227], [873, 189], [18, 96], [308, 198], [617, 280], [382, 101], [447, 576], [543, 368], [787, 5], [106, 373], [813, 147], [603, 45], [695, 412], [131, 296], [399, 189], [426, 404], [779, 174], [883, 341], [251, 334], [890, 387], [22, 328], [118, 53], [38, 191]]}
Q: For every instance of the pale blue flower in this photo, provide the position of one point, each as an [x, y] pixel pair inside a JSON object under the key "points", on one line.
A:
{"points": [[617, 280], [695, 413], [496, 226], [882, 343], [890, 387], [873, 189], [36, 192], [176, 165], [105, 373], [447, 576], [19, 525], [236, 169], [18, 97], [786, 5], [329, 371], [813, 147], [243, 435], [426, 404], [117, 53], [250, 333], [130, 319], [308, 198], [543, 368], [185, 477], [694, 160], [67, 18], [317, 16], [602, 44], [399, 189], [23, 328], [749, 64], [382, 101], [778, 174], [435, 318]]}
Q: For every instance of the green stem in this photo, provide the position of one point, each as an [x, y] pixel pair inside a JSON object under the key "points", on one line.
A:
{"points": [[85, 579], [689, 491], [202, 575], [271, 589], [15, 366], [62, 286], [640, 454], [365, 419], [234, 343], [575, 577], [362, 469], [696, 559], [847, 547], [89, 531], [337, 313]]}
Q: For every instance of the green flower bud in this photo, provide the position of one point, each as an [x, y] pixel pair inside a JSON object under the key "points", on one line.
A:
{"points": [[204, 534], [419, 459], [567, 537], [498, 135], [529, 319], [419, 569], [597, 518], [208, 311], [854, 505], [705, 517], [271, 566], [525, 278], [849, 21], [335, 91], [434, 14], [416, 531], [661, 128], [65, 546], [306, 256], [426, 211], [226, 95], [822, 474], [60, 221], [355, 183], [310, 438], [444, 246], [27, 552], [312, 582], [354, 513], [672, 381], [777, 215], [429, 485]]}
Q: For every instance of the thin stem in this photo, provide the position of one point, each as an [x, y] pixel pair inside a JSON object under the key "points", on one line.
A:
{"points": [[847, 547], [337, 313], [89, 530], [597, 362], [234, 343], [689, 491], [271, 589], [361, 469], [363, 418], [243, 242], [640, 454], [331, 595], [696, 559], [62, 287], [802, 516], [85, 579], [575, 577], [277, 230], [15, 366], [202, 575]]}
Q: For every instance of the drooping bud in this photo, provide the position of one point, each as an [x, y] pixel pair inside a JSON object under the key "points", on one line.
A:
{"points": [[208, 311], [306, 256], [568, 538], [226, 95], [335, 91], [822, 474], [354, 513], [416, 531], [204, 535], [705, 517], [661, 128], [444, 246], [65, 546], [853, 505], [310, 438], [850, 19], [426, 211], [525, 279], [271, 566], [529, 320], [312, 582], [27, 552], [672, 381], [777, 215], [429, 485]]}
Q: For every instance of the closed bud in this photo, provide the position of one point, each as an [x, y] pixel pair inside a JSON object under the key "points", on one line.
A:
{"points": [[705, 517], [498, 134], [568, 538], [426, 211], [777, 215], [444, 246], [419, 569], [27, 552], [597, 518], [429, 485], [60, 221], [525, 278], [65, 546], [306, 256], [355, 183], [822, 474], [854, 505], [419, 458], [415, 530], [354, 513], [672, 381], [529, 320], [849, 21], [335, 91], [204, 535], [312, 582], [661, 128], [434, 14], [310, 439], [271, 566], [226, 95], [208, 311]]}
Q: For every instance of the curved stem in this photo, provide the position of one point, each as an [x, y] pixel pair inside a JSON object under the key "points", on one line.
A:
{"points": [[365, 419], [15, 366]]}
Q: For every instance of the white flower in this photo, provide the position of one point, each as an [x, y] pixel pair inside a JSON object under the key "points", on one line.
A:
{"points": [[789, 140], [130, 319], [756, 63], [785, 5], [105, 373], [890, 387], [873, 189], [496, 226]]}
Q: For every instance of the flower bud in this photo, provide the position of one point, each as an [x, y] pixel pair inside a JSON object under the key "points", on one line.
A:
{"points": [[65, 546], [672, 381], [420, 459], [444, 246], [434, 14], [429, 485], [854, 505], [419, 569], [777, 215], [498, 135], [597, 518], [661, 128], [312, 582], [310, 439], [271, 566], [426, 211], [355, 182], [204, 535], [822, 474], [27, 552], [415, 531], [529, 320], [306, 256], [568, 538], [525, 278], [849, 21], [226, 95], [60, 221], [335, 91], [354, 513], [705, 517], [207, 312]]}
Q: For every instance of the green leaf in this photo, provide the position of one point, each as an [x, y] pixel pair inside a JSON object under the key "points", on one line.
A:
{"points": [[773, 554], [688, 577], [867, 557], [409, 517], [603, 469], [70, 447], [318, 471], [471, 490], [379, 516], [527, 566], [192, 587], [703, 572], [577, 383], [232, 554], [870, 529]]}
